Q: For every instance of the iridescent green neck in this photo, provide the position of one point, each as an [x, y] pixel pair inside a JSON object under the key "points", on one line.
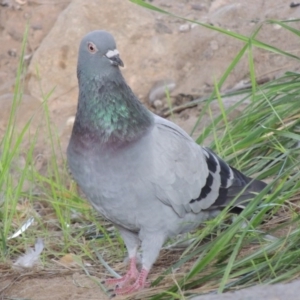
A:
{"points": [[109, 111]]}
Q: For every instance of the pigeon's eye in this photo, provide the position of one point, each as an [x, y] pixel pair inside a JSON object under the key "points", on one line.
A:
{"points": [[92, 48]]}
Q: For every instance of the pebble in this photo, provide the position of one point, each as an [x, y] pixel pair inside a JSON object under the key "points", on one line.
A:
{"points": [[184, 28], [70, 121], [197, 6], [27, 57], [157, 103], [277, 26], [12, 52], [158, 91], [37, 26]]}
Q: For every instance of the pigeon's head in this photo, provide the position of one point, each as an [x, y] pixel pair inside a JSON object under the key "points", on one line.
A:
{"points": [[98, 53]]}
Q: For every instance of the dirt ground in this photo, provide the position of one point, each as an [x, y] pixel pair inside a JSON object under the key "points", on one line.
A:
{"points": [[72, 283]]}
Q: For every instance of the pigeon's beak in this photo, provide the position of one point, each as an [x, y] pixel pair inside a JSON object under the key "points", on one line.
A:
{"points": [[113, 56], [116, 61]]}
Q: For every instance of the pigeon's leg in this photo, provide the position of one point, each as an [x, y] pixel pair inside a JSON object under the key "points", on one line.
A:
{"points": [[132, 242], [151, 245]]}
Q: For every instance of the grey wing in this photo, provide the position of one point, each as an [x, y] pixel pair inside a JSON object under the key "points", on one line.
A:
{"points": [[183, 178], [191, 178]]}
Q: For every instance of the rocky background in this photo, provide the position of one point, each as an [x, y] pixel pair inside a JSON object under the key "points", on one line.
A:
{"points": [[158, 51]]}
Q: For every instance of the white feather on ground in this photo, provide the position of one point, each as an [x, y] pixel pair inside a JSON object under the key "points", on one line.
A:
{"points": [[31, 256]]}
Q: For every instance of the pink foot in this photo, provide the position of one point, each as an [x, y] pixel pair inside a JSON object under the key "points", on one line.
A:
{"points": [[139, 284], [131, 276]]}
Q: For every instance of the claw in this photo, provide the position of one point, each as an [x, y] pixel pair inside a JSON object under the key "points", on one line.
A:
{"points": [[139, 284], [131, 276], [119, 281]]}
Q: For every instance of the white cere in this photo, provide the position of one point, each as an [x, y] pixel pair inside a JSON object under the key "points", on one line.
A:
{"points": [[111, 53]]}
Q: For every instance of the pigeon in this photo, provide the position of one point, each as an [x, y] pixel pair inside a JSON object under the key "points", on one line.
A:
{"points": [[141, 172]]}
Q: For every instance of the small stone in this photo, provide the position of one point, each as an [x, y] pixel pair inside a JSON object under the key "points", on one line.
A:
{"points": [[10, 4], [12, 52], [197, 6], [294, 4], [21, 2], [70, 121], [159, 89], [277, 26], [39, 162], [184, 28], [37, 26], [27, 57], [157, 103], [4, 3]]}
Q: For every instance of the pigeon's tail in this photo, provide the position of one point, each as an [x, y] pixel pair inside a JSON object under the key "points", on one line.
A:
{"points": [[243, 189], [234, 184]]}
